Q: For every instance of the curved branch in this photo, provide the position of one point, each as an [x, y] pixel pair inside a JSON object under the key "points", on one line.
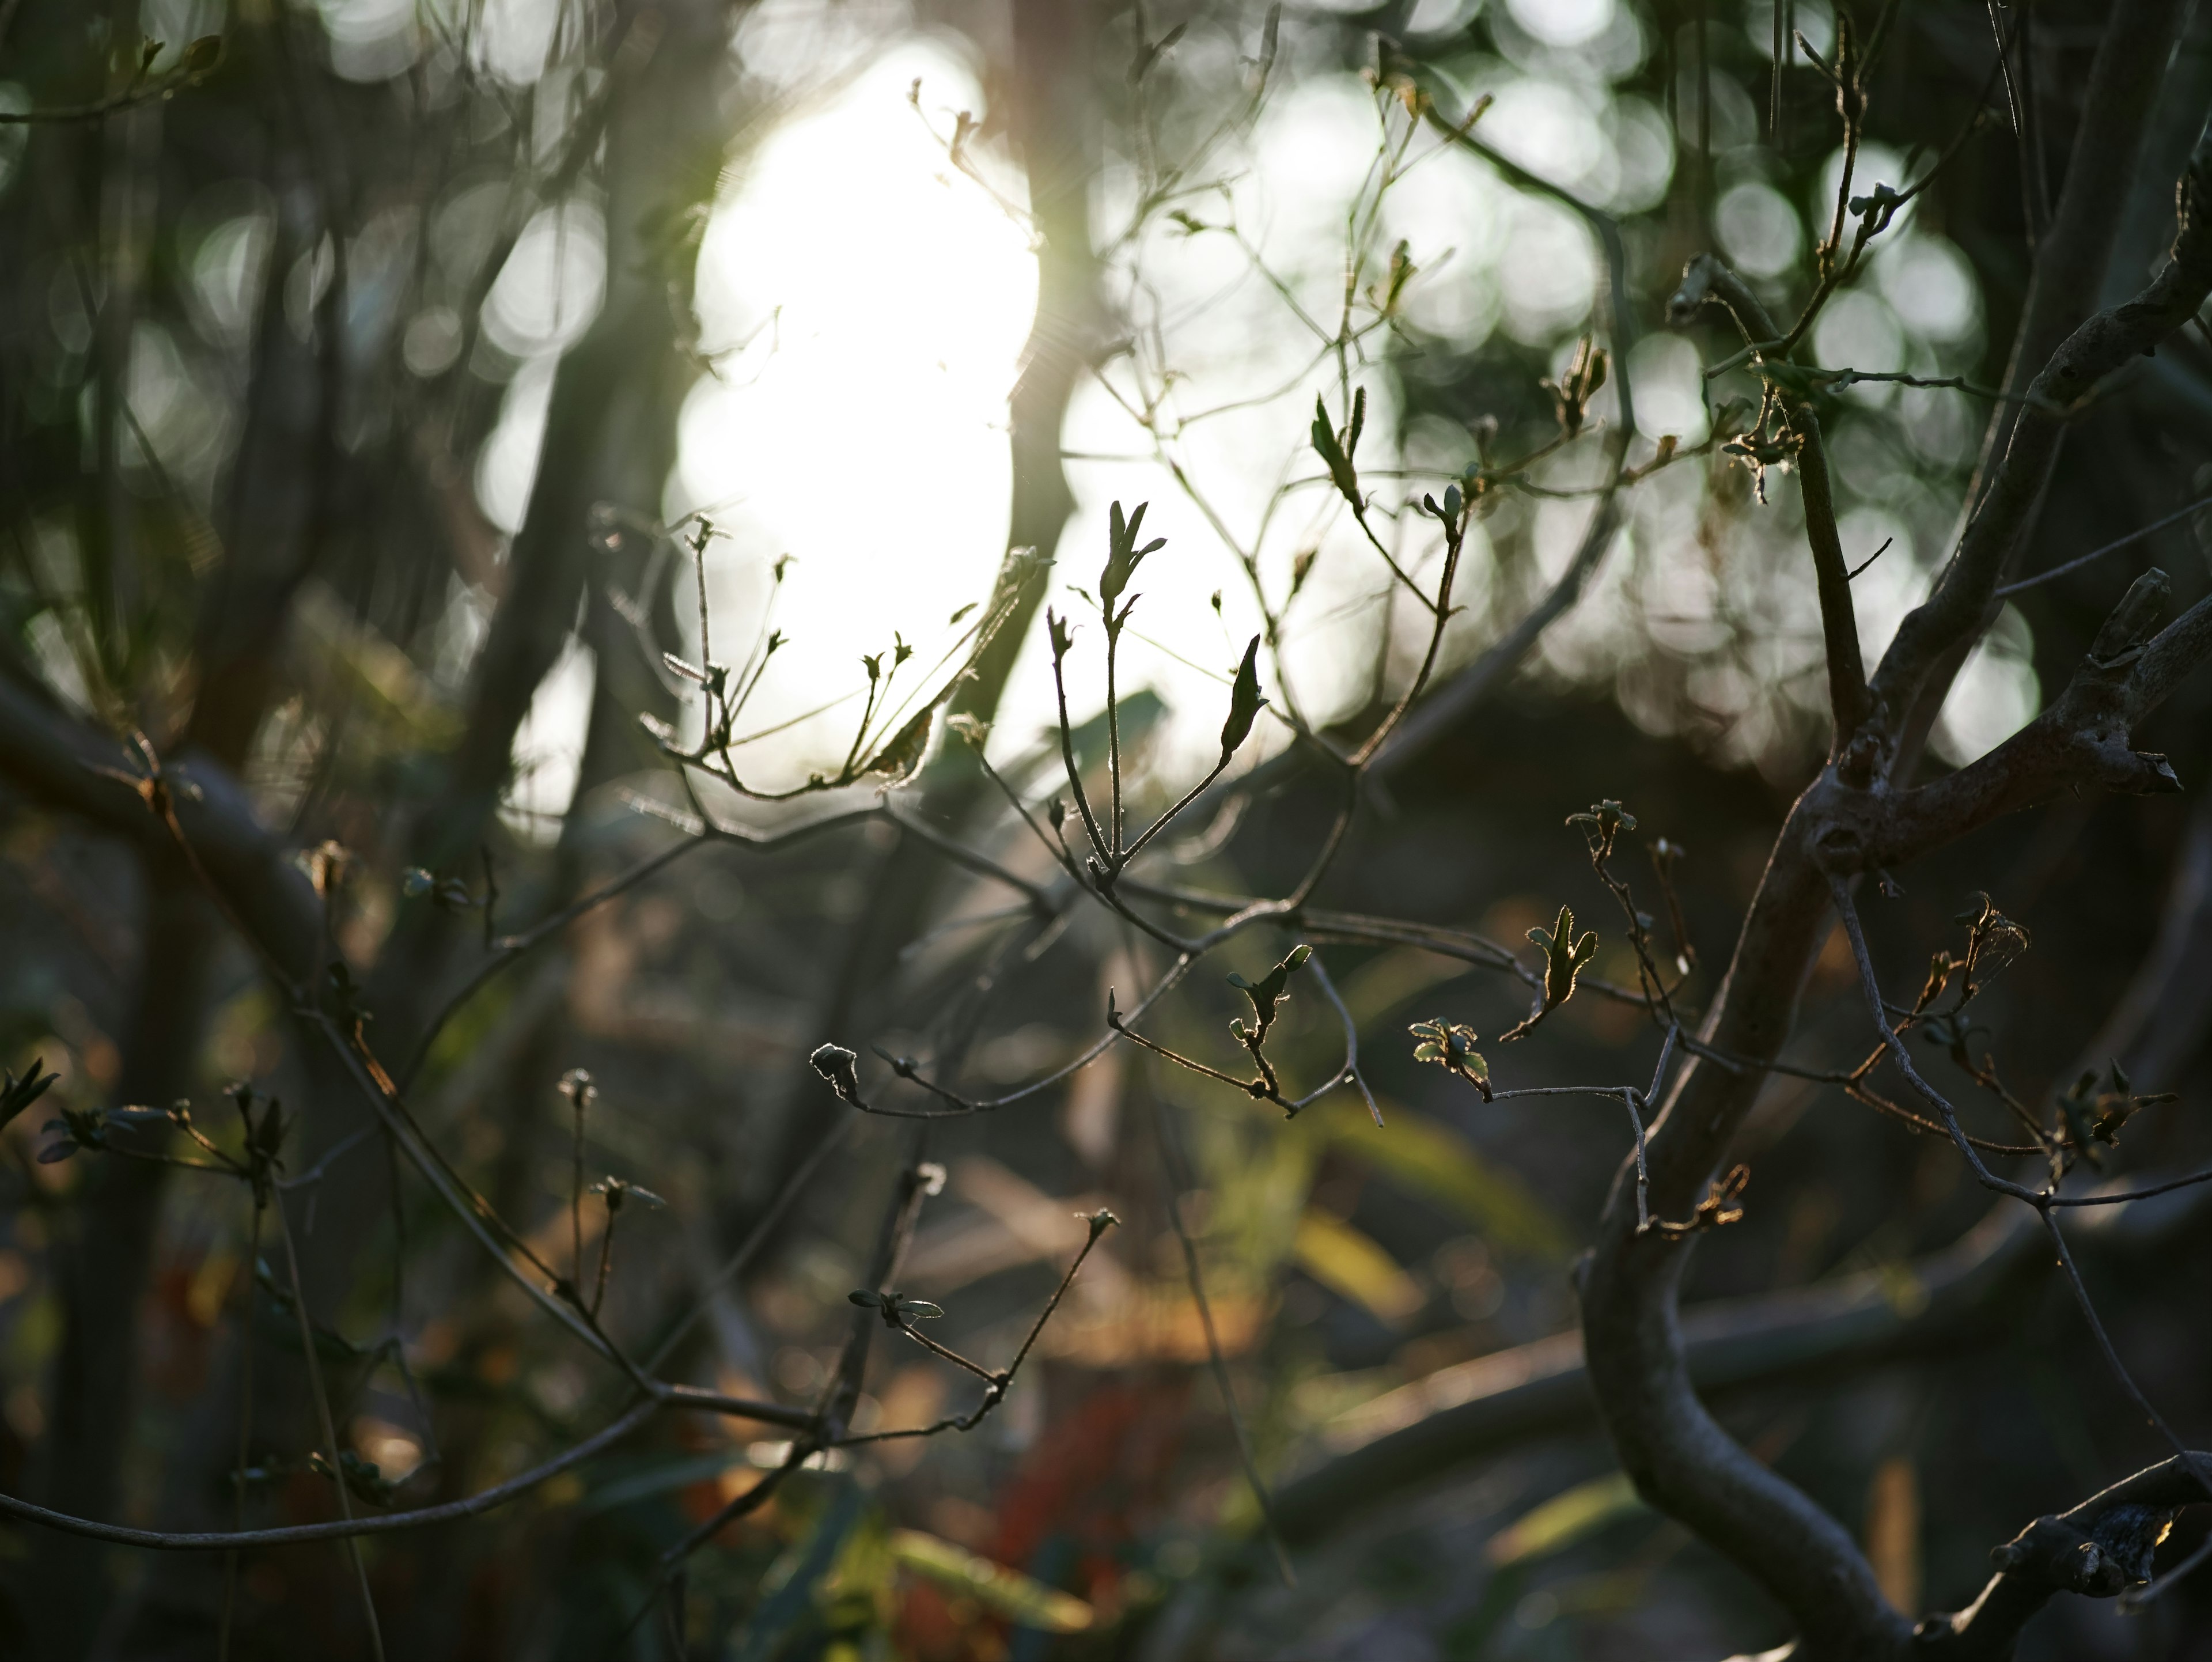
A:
{"points": [[2100, 1547], [291, 1535], [1955, 1297], [1679, 1457]]}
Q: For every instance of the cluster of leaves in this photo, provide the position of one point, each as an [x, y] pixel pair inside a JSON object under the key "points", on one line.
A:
{"points": [[2091, 1117], [1451, 1047], [1717, 1209]]}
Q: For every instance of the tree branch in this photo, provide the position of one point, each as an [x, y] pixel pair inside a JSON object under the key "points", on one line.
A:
{"points": [[1958, 1296], [2100, 1547], [2080, 740], [1957, 610], [1706, 279]]}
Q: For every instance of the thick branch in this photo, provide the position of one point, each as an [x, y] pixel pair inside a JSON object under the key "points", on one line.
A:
{"points": [[1848, 698], [2101, 346], [66, 765], [1679, 1457], [2081, 739], [2101, 1547], [1958, 1296], [1706, 279]]}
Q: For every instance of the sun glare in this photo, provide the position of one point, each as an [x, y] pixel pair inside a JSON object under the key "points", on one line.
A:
{"points": [[867, 306]]}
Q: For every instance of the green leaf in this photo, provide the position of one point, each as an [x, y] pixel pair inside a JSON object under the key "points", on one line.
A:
{"points": [[1245, 703], [1123, 557], [796, 1578], [1268, 991], [1349, 1264], [18, 1094], [1564, 957], [1336, 456], [1423, 1157], [1565, 1519], [900, 759], [1021, 1600]]}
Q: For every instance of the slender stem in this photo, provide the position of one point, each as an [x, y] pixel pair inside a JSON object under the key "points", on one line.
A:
{"points": [[945, 1352], [1114, 741], [1642, 1173], [1349, 1074], [577, 1099], [2197, 1466], [245, 1433], [2112, 547], [753, 1242], [1074, 774], [330, 1431], [1169, 817], [606, 1261], [139, 92], [339, 1529], [1179, 1185], [1895, 1046]]}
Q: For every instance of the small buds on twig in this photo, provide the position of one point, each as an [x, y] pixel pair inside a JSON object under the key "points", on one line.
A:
{"points": [[835, 1063], [1573, 393], [1123, 559], [1714, 1211], [1565, 957], [1452, 1048], [1336, 450], [896, 1309]]}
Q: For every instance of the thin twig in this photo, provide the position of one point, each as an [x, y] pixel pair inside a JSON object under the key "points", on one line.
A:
{"points": [[330, 1432], [1179, 1185], [2113, 547]]}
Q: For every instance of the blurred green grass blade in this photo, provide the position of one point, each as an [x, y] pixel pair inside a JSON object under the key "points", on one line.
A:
{"points": [[793, 1599], [1418, 1154], [1349, 1264], [1565, 1519], [1020, 1599]]}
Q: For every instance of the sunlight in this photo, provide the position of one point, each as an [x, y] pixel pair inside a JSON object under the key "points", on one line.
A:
{"points": [[866, 307]]}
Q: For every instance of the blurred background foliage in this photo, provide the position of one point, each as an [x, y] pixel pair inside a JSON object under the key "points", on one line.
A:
{"points": [[363, 396]]}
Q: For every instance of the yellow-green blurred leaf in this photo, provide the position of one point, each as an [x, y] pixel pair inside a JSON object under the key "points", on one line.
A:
{"points": [[1421, 1155], [353, 653], [1348, 1263], [1565, 1519], [1013, 1595], [1389, 979]]}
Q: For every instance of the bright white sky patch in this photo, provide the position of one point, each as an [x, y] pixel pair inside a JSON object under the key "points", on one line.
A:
{"points": [[1562, 22], [887, 298]]}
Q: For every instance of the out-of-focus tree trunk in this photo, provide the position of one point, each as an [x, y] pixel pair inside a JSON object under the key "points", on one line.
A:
{"points": [[101, 1270], [611, 425], [104, 1262], [610, 433]]}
